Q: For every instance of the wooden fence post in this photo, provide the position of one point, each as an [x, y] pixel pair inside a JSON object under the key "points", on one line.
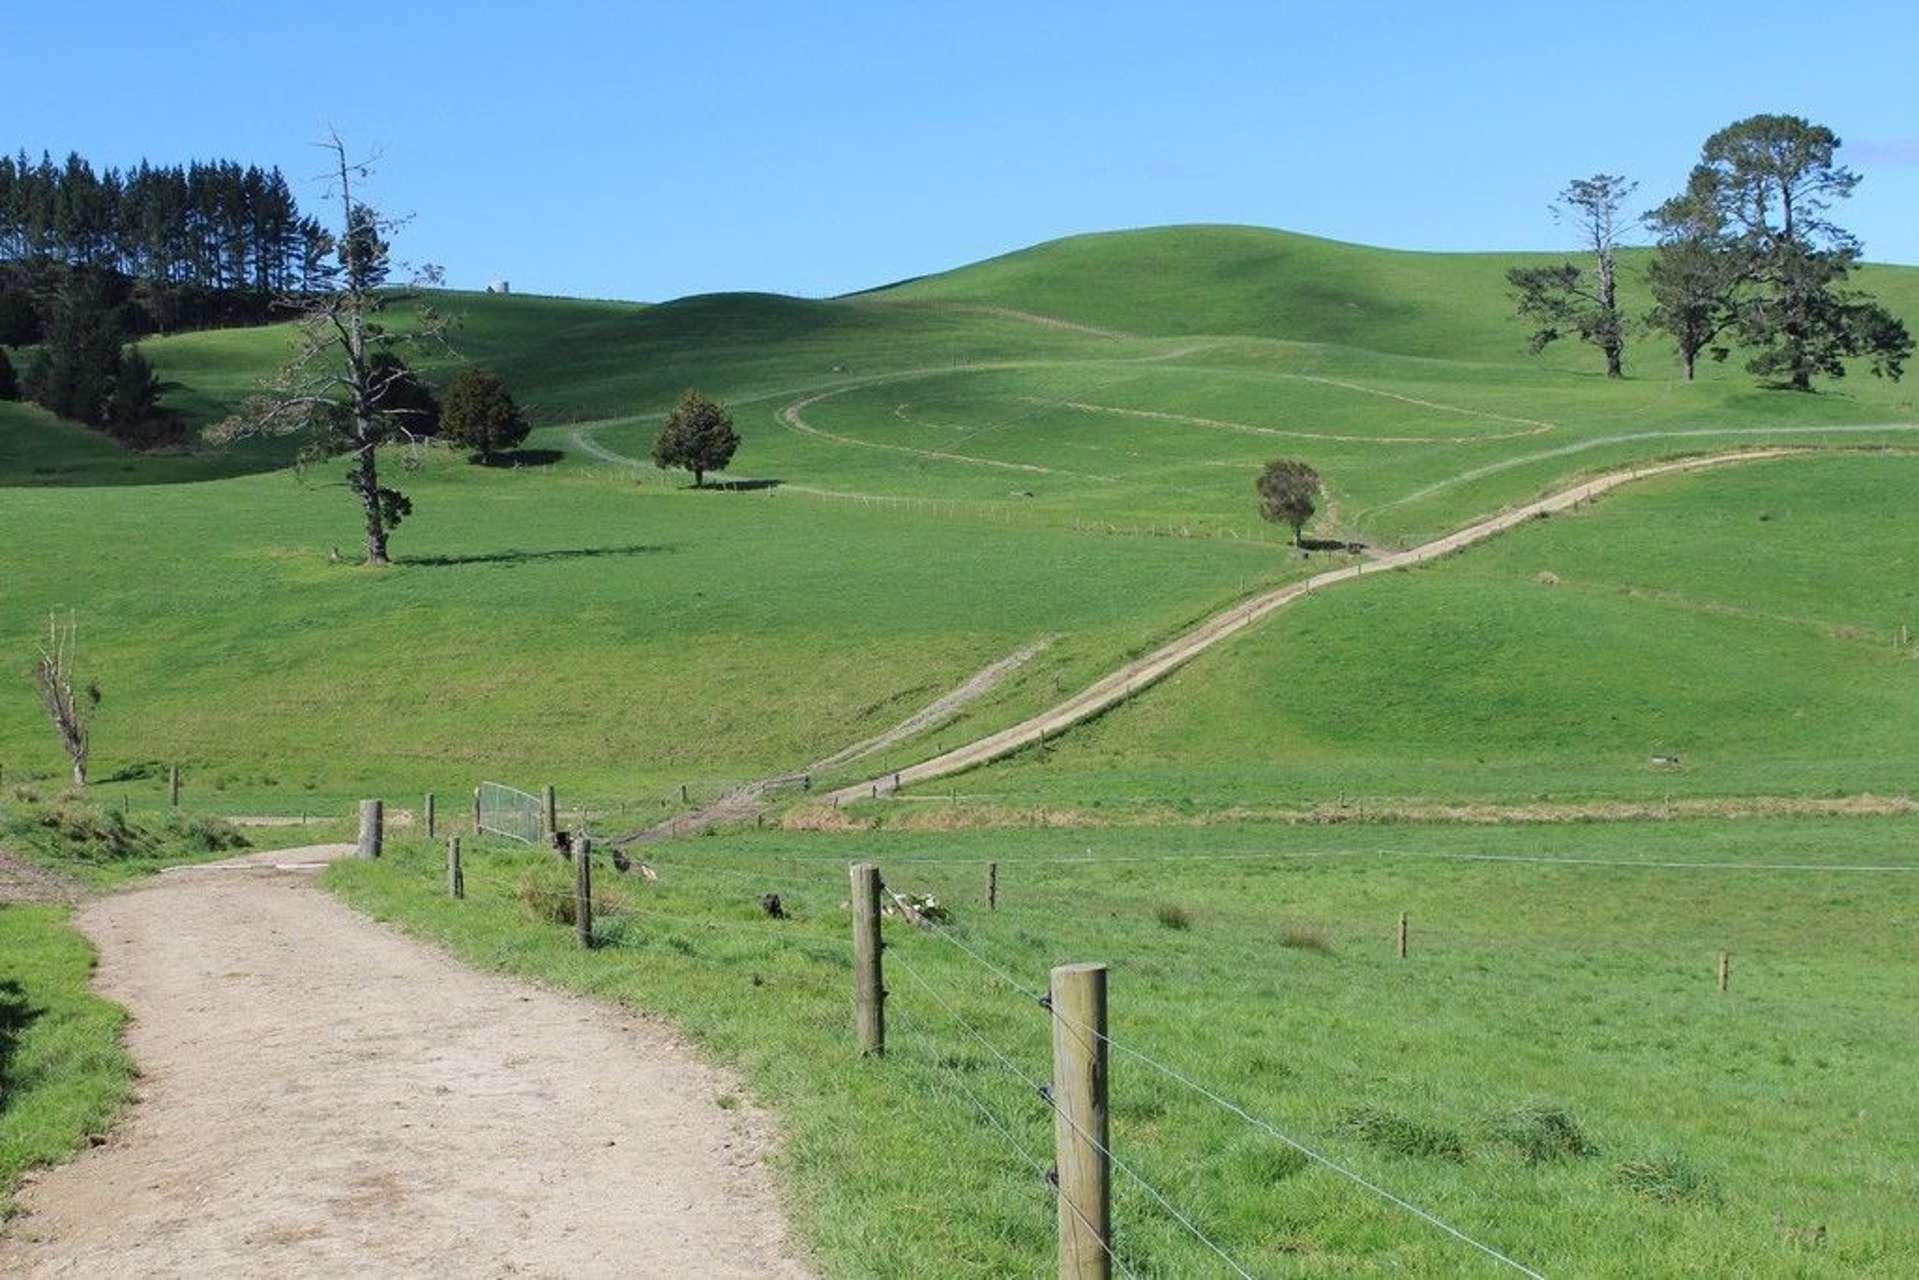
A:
{"points": [[1402, 935], [682, 793], [1080, 1140], [583, 889], [549, 812], [992, 886], [431, 828], [476, 811], [173, 785], [372, 828], [455, 877], [869, 989], [1725, 970]]}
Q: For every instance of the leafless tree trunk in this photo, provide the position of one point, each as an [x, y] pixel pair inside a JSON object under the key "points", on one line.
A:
{"points": [[53, 676], [336, 388]]}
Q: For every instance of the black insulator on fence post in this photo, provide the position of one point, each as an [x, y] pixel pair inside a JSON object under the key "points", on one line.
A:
{"points": [[869, 990], [432, 828], [372, 828], [455, 876]]}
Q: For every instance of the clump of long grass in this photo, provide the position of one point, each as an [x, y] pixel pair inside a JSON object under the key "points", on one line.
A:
{"points": [[545, 893], [1173, 915], [1667, 1178], [1542, 1132], [1397, 1132], [1299, 937]]}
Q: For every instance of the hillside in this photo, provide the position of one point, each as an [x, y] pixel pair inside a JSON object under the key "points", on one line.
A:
{"points": [[949, 475]]}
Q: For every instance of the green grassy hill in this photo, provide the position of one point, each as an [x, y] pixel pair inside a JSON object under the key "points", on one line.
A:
{"points": [[1056, 450], [953, 474]]}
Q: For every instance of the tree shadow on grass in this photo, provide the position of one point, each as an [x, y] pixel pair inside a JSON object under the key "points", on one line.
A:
{"points": [[15, 1016], [513, 458], [736, 486], [516, 556], [1330, 544]]}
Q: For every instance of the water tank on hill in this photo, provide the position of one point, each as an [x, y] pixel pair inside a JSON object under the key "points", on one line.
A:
{"points": [[499, 286]]}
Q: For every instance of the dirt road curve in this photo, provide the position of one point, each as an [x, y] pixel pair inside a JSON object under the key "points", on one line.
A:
{"points": [[1116, 687], [321, 1096]]}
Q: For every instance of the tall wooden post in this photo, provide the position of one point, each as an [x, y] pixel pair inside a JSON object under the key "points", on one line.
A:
{"points": [[431, 827], [992, 886], [1725, 970], [549, 812], [173, 785], [372, 828], [1080, 1140], [869, 989], [583, 889], [455, 876], [476, 811], [1402, 935]]}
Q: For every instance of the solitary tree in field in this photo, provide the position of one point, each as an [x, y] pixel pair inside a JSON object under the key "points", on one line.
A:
{"points": [[698, 437], [337, 391], [1286, 492], [480, 415], [70, 709], [1769, 181], [1563, 299]]}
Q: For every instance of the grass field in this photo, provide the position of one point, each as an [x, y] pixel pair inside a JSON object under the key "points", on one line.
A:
{"points": [[1551, 1071], [956, 480], [1056, 449]]}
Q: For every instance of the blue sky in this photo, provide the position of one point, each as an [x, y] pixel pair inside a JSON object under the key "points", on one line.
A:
{"points": [[648, 151]]}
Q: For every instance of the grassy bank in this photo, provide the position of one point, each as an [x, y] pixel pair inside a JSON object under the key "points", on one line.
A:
{"points": [[63, 1073], [1552, 1070]]}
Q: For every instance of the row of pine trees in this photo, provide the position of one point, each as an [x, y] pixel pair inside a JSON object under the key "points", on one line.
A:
{"points": [[201, 243]]}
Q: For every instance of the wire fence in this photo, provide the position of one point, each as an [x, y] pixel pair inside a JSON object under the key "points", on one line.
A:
{"points": [[938, 1010]]}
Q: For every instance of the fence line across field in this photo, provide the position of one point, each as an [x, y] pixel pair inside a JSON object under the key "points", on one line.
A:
{"points": [[510, 812]]}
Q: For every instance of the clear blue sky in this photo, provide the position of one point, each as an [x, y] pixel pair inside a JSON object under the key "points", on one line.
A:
{"points": [[645, 151]]}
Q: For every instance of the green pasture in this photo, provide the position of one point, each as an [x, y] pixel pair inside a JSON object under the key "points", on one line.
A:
{"points": [[1551, 1071]]}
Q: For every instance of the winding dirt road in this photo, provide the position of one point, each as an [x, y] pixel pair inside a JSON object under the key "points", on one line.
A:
{"points": [[320, 1096], [1112, 689]]}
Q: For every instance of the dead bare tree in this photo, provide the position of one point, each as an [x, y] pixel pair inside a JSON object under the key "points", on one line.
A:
{"points": [[53, 675], [346, 389]]}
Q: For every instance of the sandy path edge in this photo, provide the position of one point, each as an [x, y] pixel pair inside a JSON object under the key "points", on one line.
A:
{"points": [[321, 1095]]}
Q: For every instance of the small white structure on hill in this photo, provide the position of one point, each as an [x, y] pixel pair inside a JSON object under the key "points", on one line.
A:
{"points": [[499, 286]]}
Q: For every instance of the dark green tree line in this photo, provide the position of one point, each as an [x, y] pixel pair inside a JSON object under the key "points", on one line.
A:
{"points": [[202, 243]]}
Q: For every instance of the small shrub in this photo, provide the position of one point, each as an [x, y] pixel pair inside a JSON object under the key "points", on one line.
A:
{"points": [[1299, 937], [211, 835], [1669, 1179], [545, 893], [1173, 916], [1394, 1131], [1543, 1132]]}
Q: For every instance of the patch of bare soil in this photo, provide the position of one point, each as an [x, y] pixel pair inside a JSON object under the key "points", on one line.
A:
{"points": [[23, 881], [322, 1096]]}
